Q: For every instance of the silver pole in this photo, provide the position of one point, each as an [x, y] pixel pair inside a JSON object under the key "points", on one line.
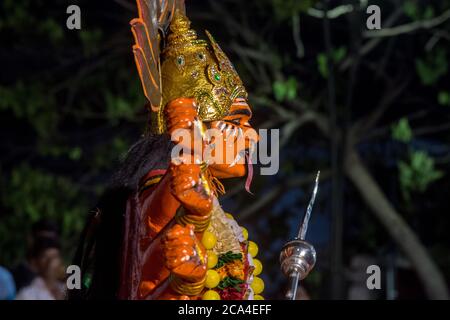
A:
{"points": [[298, 257]]}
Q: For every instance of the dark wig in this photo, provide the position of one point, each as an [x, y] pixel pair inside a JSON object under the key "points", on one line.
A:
{"points": [[98, 252]]}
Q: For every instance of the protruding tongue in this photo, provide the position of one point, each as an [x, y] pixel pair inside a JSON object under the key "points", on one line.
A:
{"points": [[248, 182]]}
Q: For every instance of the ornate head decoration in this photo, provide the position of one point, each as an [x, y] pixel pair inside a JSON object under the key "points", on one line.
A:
{"points": [[187, 67]]}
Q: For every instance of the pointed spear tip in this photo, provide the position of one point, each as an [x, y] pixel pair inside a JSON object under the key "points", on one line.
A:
{"points": [[304, 225], [316, 183]]}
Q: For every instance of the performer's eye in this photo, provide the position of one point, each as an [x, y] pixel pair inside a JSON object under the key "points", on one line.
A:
{"points": [[201, 56], [236, 121], [180, 60]]}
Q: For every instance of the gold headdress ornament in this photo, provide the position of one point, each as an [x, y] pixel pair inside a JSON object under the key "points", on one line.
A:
{"points": [[188, 67]]}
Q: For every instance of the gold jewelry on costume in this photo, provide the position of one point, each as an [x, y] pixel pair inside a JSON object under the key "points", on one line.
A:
{"points": [[200, 222], [185, 287]]}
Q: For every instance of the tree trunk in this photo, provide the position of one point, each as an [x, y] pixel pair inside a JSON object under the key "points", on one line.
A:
{"points": [[432, 279]]}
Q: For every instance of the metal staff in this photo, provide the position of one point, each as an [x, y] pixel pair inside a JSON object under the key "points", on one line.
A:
{"points": [[298, 257]]}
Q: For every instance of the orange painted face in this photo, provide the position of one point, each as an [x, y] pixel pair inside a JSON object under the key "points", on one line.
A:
{"points": [[230, 139], [238, 137]]}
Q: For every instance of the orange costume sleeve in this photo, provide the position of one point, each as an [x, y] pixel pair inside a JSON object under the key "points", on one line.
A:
{"points": [[162, 252]]}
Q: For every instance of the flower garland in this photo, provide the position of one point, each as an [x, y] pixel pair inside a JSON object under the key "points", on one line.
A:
{"points": [[232, 274]]}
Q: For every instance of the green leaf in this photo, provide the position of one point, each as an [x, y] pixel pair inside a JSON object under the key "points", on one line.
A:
{"points": [[279, 90], [227, 258], [33, 103], [401, 131], [230, 282], [34, 194], [285, 90], [52, 29], [432, 67], [339, 54], [90, 40], [87, 281], [291, 89], [75, 153], [411, 10], [417, 12], [322, 64], [117, 107], [444, 98], [417, 174], [285, 9], [429, 13], [425, 73]]}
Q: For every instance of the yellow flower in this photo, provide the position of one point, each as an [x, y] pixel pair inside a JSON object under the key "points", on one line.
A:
{"points": [[252, 249], [229, 216], [209, 240], [211, 295], [258, 267], [257, 285], [212, 259], [244, 233], [212, 279]]}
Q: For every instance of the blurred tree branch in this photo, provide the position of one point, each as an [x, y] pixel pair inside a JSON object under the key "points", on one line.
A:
{"points": [[296, 35], [409, 27], [361, 127], [332, 13], [432, 279], [370, 45]]}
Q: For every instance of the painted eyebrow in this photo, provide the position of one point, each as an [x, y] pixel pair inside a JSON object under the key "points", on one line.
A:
{"points": [[245, 112]]}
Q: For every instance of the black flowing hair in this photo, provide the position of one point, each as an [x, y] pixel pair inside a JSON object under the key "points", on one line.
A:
{"points": [[98, 253]]}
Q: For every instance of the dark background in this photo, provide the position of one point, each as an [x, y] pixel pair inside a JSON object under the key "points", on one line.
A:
{"points": [[370, 109]]}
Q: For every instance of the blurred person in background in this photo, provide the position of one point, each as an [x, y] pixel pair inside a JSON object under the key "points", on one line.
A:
{"points": [[45, 259], [7, 286], [24, 273], [44, 228]]}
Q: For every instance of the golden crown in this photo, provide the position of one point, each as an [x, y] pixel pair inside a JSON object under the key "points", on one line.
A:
{"points": [[191, 68], [182, 37]]}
